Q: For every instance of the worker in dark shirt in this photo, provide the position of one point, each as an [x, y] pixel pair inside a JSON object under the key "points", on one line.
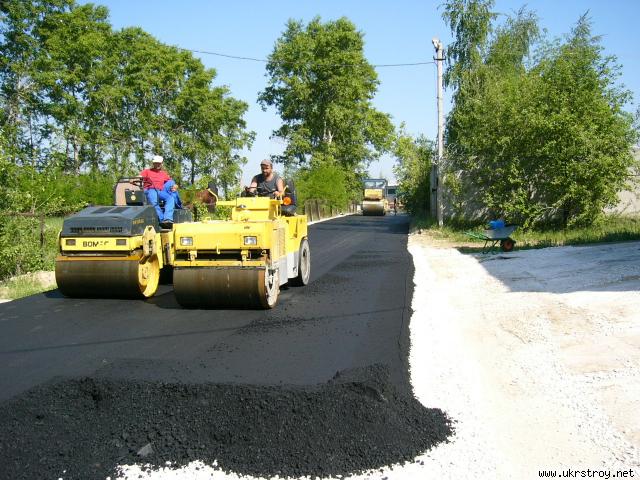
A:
{"points": [[267, 182]]}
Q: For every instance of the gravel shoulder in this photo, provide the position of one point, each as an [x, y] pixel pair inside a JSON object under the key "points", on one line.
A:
{"points": [[535, 354]]}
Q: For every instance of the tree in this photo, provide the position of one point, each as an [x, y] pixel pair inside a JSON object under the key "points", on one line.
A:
{"points": [[589, 151], [544, 139], [322, 87], [23, 121], [326, 181], [74, 44], [80, 98], [412, 168], [209, 127], [470, 22]]}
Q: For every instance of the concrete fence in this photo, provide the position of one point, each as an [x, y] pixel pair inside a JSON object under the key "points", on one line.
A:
{"points": [[318, 209]]}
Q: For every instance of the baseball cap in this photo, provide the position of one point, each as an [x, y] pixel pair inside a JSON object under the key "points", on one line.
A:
{"points": [[266, 161], [157, 159]]}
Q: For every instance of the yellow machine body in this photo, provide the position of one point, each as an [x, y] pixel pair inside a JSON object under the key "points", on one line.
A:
{"points": [[241, 262], [373, 194], [117, 250], [110, 266]]}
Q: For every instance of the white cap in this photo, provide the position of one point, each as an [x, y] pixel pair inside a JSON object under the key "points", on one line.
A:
{"points": [[157, 159]]}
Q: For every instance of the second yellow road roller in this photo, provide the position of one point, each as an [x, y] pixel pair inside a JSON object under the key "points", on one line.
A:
{"points": [[241, 262]]}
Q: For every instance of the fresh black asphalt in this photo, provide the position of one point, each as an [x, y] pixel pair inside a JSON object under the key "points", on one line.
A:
{"points": [[317, 386]]}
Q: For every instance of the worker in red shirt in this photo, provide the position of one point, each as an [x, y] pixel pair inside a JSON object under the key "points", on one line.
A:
{"points": [[154, 180]]}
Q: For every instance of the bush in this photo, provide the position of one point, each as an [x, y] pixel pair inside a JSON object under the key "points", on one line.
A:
{"points": [[20, 249], [54, 193], [327, 182]]}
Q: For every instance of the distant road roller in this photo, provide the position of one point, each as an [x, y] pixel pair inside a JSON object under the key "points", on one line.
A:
{"points": [[374, 198], [242, 262], [115, 251]]}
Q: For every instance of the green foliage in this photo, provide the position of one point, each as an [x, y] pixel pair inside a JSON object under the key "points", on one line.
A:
{"points": [[326, 181], [20, 249], [23, 286], [412, 170], [52, 192], [470, 22], [608, 228], [322, 86], [78, 96], [26, 244], [539, 141]]}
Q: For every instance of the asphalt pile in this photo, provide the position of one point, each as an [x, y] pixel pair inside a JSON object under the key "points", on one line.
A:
{"points": [[84, 428]]}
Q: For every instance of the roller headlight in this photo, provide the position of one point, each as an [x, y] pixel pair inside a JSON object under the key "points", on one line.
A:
{"points": [[186, 241], [251, 240]]}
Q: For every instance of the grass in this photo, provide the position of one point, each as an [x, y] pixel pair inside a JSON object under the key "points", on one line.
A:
{"points": [[23, 286], [31, 283], [611, 228]]}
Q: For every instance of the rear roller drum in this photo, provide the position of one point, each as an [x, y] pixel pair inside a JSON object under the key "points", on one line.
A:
{"points": [[107, 278]]}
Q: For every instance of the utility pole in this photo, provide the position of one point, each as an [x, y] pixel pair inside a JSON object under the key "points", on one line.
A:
{"points": [[436, 188]]}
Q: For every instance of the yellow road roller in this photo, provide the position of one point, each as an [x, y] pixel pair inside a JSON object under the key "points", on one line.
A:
{"points": [[241, 262], [374, 198], [115, 251]]}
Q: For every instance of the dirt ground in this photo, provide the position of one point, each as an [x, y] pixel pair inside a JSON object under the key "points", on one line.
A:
{"points": [[535, 353]]}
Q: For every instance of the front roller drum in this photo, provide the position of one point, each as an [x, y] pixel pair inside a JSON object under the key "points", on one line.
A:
{"points": [[235, 287], [107, 278], [373, 208]]}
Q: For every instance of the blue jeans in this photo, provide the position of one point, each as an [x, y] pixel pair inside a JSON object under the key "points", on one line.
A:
{"points": [[171, 201]]}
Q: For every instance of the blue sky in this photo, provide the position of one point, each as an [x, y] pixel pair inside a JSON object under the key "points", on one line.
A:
{"points": [[397, 31]]}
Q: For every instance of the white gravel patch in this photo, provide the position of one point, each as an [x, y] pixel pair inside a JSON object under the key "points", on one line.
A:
{"points": [[525, 351]]}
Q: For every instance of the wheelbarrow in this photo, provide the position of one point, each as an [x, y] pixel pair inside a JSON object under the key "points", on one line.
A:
{"points": [[494, 236]]}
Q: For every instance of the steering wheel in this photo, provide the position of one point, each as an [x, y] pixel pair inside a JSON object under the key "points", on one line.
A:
{"points": [[137, 181], [260, 192]]}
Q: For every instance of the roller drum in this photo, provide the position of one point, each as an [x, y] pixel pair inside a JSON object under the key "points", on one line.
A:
{"points": [[236, 287], [100, 278], [372, 208]]}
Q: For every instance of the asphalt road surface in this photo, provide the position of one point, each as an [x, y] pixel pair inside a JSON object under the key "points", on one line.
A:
{"points": [[318, 385]]}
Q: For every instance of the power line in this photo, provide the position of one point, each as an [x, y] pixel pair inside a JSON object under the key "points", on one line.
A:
{"points": [[262, 60]]}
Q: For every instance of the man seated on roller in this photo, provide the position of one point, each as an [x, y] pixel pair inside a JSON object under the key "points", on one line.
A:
{"points": [[268, 182], [154, 181]]}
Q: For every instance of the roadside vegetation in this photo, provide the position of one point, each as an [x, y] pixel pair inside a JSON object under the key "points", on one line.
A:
{"points": [[609, 228], [540, 131], [539, 134], [27, 284]]}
